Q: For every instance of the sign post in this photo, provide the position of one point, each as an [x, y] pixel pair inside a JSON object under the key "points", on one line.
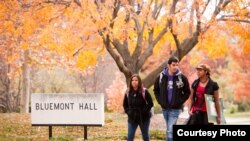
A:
{"points": [[67, 110]]}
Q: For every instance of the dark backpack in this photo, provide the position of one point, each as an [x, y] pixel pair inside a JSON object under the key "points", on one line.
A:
{"points": [[179, 77]]}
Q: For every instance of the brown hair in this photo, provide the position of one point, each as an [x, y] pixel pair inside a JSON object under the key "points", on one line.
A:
{"points": [[140, 87]]}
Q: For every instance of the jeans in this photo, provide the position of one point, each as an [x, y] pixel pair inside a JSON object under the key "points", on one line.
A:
{"points": [[170, 116], [144, 126]]}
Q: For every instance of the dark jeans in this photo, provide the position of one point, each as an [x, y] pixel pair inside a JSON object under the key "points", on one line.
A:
{"points": [[199, 118], [144, 126]]}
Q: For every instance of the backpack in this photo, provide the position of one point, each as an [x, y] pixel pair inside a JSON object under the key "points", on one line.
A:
{"points": [[144, 97], [179, 84]]}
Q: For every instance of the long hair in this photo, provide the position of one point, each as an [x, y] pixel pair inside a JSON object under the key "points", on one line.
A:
{"points": [[140, 87]]}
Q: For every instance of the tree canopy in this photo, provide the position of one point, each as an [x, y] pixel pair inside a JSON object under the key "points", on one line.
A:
{"points": [[73, 33]]}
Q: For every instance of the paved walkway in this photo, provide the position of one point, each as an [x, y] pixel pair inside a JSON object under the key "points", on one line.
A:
{"points": [[238, 121], [158, 123]]}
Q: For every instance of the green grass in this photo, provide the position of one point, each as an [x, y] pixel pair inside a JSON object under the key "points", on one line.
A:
{"points": [[17, 127], [157, 135], [238, 114]]}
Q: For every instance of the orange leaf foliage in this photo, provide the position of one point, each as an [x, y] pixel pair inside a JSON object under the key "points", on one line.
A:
{"points": [[240, 75], [68, 30], [115, 94]]}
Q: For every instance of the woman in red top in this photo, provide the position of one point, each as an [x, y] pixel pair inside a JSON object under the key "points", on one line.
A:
{"points": [[203, 85]]}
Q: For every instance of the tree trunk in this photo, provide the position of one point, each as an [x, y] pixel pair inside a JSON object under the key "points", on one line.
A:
{"points": [[185, 47], [25, 97], [5, 84]]}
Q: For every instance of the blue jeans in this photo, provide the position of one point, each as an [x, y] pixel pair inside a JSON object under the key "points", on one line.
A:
{"points": [[144, 126], [170, 116]]}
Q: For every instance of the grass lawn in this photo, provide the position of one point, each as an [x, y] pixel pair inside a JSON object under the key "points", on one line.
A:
{"points": [[238, 114], [15, 126]]}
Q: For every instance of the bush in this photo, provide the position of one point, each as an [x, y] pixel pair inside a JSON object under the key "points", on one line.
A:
{"points": [[244, 106], [231, 108]]}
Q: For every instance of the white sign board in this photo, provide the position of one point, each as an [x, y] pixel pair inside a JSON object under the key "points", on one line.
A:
{"points": [[67, 109]]}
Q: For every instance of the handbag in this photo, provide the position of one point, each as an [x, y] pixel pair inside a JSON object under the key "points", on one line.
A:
{"points": [[196, 116]]}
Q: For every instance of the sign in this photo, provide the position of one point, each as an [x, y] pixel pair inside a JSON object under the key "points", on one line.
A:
{"points": [[67, 109], [211, 111]]}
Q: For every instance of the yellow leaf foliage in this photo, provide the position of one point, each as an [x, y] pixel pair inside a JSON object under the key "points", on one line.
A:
{"points": [[28, 28], [24, 45], [85, 59], [214, 44], [65, 29], [243, 32], [53, 46], [167, 38], [196, 58]]}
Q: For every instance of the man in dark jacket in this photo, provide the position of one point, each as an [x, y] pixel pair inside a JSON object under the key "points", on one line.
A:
{"points": [[171, 90]]}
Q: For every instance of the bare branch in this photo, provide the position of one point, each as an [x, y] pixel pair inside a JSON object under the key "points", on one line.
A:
{"points": [[172, 9], [137, 23], [198, 16], [219, 7], [122, 49], [170, 23], [149, 50], [140, 30], [115, 56], [205, 7], [147, 81], [234, 20], [159, 36], [190, 31], [117, 5], [247, 15], [60, 2], [157, 9], [139, 7], [79, 49], [78, 3], [178, 11], [217, 10]]}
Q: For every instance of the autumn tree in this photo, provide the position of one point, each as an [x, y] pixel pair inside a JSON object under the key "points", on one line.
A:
{"points": [[27, 39], [115, 94], [242, 57], [10, 54], [77, 31], [20, 23], [241, 73], [132, 30]]}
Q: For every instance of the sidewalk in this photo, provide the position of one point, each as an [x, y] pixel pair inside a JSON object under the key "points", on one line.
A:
{"points": [[238, 121], [158, 123]]}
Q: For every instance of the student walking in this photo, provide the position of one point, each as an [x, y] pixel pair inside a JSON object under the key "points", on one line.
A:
{"points": [[137, 104], [171, 90], [201, 86]]}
